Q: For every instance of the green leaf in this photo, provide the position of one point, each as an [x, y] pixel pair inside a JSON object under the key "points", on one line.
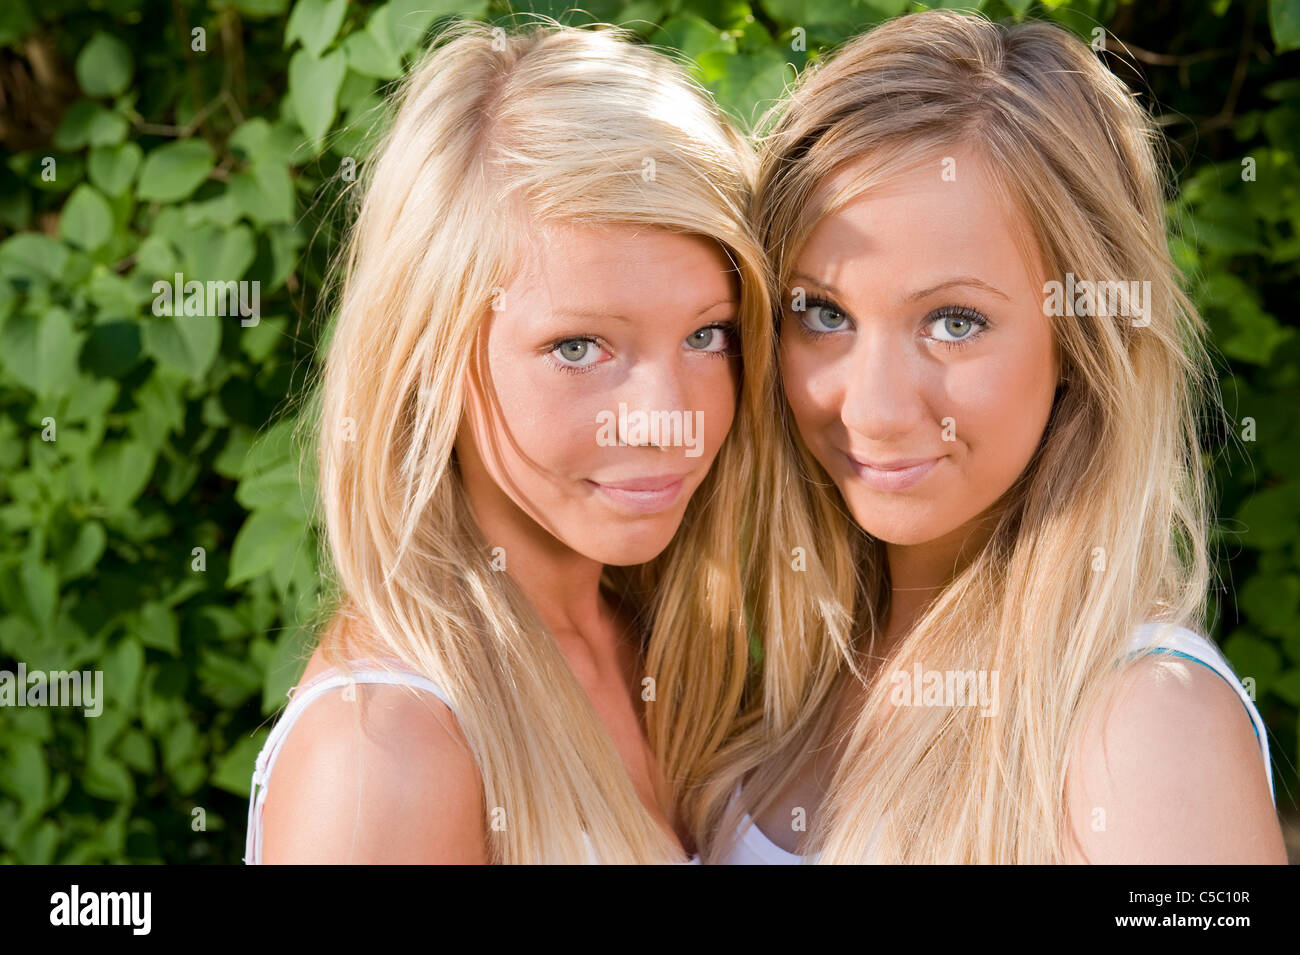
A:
{"points": [[84, 552], [264, 193], [1271, 517], [1284, 21], [89, 123], [40, 588], [314, 88], [104, 66], [1252, 657], [86, 219], [372, 56], [158, 628], [266, 538], [32, 252], [315, 23], [112, 168], [186, 343], [121, 470], [286, 666], [173, 171], [25, 774], [407, 21], [41, 353], [279, 489], [261, 9], [234, 772], [107, 778]]}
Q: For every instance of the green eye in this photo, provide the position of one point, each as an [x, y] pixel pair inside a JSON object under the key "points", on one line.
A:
{"points": [[710, 338], [826, 318], [573, 351]]}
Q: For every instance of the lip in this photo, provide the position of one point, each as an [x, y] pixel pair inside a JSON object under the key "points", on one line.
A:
{"points": [[897, 475], [648, 495]]}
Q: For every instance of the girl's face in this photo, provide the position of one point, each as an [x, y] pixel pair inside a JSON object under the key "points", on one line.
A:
{"points": [[921, 370], [613, 361]]}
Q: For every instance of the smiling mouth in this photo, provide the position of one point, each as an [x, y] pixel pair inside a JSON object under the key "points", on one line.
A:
{"points": [[642, 495], [896, 476]]}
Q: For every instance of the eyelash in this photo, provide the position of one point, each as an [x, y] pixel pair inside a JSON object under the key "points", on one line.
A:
{"points": [[971, 314], [731, 328]]}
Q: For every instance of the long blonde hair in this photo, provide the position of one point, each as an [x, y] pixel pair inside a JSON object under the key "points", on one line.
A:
{"points": [[1117, 478], [556, 124]]}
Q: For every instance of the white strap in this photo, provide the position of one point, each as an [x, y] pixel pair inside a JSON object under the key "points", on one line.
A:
{"points": [[1164, 636], [298, 702]]}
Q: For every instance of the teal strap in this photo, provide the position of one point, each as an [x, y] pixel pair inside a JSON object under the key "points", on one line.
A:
{"points": [[1188, 656]]}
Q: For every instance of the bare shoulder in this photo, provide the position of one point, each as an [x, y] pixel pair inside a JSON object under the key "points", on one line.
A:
{"points": [[1167, 769], [374, 773]]}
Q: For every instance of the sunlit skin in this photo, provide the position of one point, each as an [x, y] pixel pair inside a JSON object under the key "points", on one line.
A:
{"points": [[598, 316], [595, 316], [924, 317], [922, 323]]}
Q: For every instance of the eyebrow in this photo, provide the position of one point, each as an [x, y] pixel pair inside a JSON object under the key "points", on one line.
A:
{"points": [[595, 313], [969, 281]]}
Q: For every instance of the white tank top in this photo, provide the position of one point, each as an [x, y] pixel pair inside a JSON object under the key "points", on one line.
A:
{"points": [[302, 696], [752, 847]]}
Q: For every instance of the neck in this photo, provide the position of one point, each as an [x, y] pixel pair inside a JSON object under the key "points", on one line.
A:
{"points": [[562, 585], [918, 572]]}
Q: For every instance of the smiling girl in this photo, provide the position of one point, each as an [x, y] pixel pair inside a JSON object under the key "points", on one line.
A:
{"points": [[540, 636], [1023, 490]]}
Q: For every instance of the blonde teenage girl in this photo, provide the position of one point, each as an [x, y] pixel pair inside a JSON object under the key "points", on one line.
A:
{"points": [[994, 381]]}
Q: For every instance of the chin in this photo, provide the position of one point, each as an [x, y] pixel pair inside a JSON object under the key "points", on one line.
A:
{"points": [[901, 525], [632, 546]]}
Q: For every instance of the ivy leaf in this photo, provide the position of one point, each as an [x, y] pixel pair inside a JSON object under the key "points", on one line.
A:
{"points": [[314, 88], [234, 771], [89, 123], [158, 628], [1284, 21], [104, 66], [1252, 657], [1271, 517], [33, 253], [84, 552], [121, 470], [112, 168], [186, 343], [41, 353], [315, 23], [266, 538], [173, 171], [86, 219], [370, 54]]}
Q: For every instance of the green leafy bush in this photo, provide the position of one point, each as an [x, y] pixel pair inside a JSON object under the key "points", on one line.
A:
{"points": [[156, 524]]}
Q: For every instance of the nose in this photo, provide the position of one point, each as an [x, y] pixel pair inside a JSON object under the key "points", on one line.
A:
{"points": [[883, 397], [653, 386]]}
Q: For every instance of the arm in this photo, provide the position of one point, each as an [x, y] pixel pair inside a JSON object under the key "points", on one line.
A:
{"points": [[385, 778], [1171, 775]]}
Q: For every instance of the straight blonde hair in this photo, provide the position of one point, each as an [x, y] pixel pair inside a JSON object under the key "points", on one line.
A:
{"points": [[1118, 473], [495, 133]]}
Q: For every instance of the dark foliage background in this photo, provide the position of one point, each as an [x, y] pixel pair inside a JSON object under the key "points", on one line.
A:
{"points": [[160, 533]]}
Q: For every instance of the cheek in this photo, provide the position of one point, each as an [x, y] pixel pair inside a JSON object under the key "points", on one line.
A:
{"points": [[715, 399], [812, 388], [1004, 407], [542, 427]]}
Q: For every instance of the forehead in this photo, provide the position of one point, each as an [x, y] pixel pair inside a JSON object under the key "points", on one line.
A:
{"points": [[625, 266], [943, 212]]}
